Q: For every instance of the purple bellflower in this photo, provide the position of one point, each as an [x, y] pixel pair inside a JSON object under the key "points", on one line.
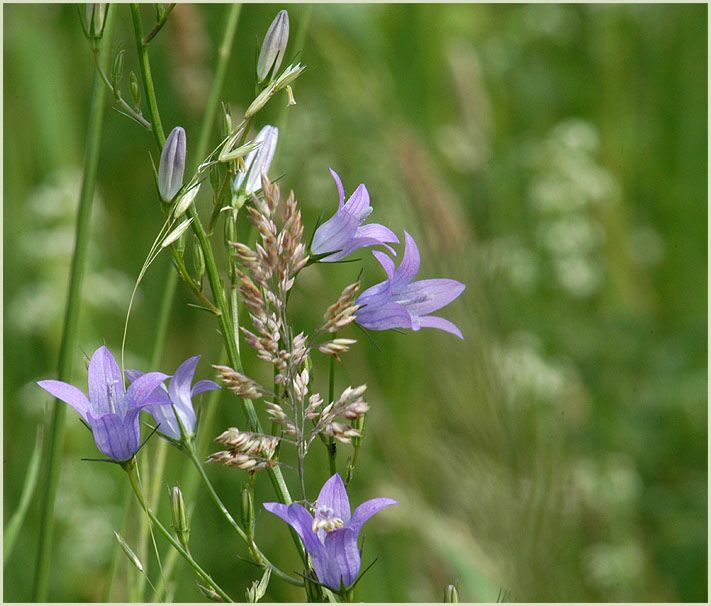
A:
{"points": [[344, 232], [110, 411], [177, 397], [398, 302], [331, 535]]}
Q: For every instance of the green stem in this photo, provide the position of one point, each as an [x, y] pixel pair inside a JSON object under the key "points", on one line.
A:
{"points": [[331, 446], [133, 478], [71, 320], [216, 285]]}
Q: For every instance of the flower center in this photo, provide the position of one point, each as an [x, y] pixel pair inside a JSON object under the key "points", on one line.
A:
{"points": [[325, 519]]}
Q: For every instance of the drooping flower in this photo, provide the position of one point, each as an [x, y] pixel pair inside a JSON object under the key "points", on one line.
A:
{"points": [[344, 232], [398, 302], [172, 164], [110, 410], [178, 394], [258, 161], [330, 536]]}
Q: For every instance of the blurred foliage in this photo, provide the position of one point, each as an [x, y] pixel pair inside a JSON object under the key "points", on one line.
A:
{"points": [[552, 157]]}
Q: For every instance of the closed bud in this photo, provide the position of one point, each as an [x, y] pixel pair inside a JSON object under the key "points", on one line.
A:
{"points": [[117, 74], [273, 46], [176, 233], [181, 524], [185, 201], [198, 259], [95, 18], [247, 510], [258, 161], [135, 91], [129, 552], [451, 594], [172, 164]]}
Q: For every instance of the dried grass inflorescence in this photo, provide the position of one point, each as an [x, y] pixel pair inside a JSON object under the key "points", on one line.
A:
{"points": [[266, 276]]}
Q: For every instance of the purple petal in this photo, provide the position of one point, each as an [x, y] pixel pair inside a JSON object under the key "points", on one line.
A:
{"points": [[301, 521], [386, 261], [132, 374], [339, 185], [367, 510], [264, 155], [172, 164], [342, 550], [203, 386], [105, 378], [333, 235], [425, 296], [377, 232], [441, 324], [333, 495], [68, 393], [164, 416], [383, 315], [140, 392], [358, 204], [117, 437], [179, 386], [410, 265]]}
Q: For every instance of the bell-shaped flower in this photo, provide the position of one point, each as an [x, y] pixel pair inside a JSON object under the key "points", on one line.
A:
{"points": [[110, 411], [172, 164], [330, 535], [345, 232], [273, 46], [164, 403], [398, 302], [258, 161]]}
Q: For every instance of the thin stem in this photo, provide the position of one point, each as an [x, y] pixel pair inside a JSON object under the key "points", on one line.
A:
{"points": [[71, 320], [331, 446], [159, 25], [133, 478]]}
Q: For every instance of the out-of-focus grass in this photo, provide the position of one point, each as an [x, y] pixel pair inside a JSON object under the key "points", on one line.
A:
{"points": [[553, 158]]}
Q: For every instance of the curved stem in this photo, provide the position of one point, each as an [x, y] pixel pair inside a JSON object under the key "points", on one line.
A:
{"points": [[71, 320], [257, 555], [133, 478]]}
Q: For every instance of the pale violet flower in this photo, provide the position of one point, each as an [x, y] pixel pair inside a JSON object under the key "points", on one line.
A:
{"points": [[172, 164], [258, 161], [330, 536], [110, 411], [398, 302], [177, 397], [345, 232], [273, 47]]}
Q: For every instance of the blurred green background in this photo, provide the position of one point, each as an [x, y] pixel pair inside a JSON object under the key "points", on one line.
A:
{"points": [[552, 157]]}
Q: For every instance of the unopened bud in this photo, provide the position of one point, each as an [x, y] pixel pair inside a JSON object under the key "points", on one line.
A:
{"points": [[95, 18], [181, 524], [198, 259], [247, 510], [451, 594], [185, 201], [129, 552], [258, 161], [172, 164], [135, 91], [273, 46], [117, 73]]}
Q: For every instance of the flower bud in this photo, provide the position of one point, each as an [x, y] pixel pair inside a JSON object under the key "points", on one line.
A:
{"points": [[181, 524], [117, 73], [129, 552], [247, 510], [198, 259], [451, 594], [258, 161], [172, 164], [135, 91], [95, 18], [185, 201], [273, 46]]}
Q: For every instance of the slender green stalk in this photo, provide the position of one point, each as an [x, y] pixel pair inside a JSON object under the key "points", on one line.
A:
{"points": [[71, 319], [216, 285], [133, 478], [331, 446]]}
